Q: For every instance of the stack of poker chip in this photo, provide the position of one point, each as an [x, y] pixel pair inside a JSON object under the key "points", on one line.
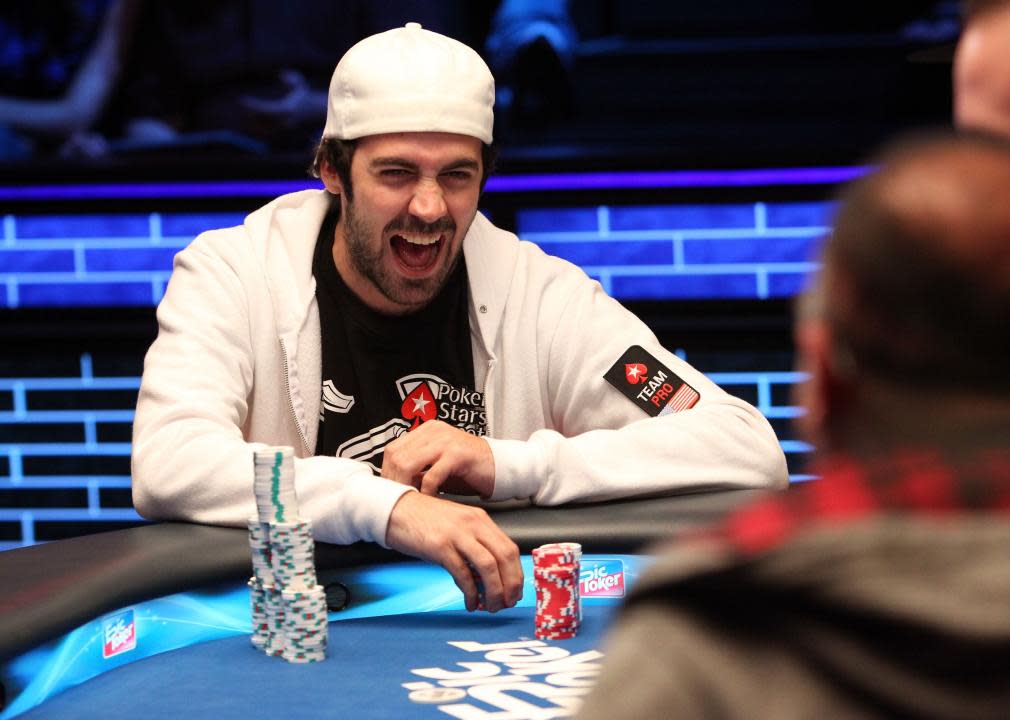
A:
{"points": [[288, 605], [556, 581]]}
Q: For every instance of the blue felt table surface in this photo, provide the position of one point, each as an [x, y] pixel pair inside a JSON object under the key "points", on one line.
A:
{"points": [[369, 662]]}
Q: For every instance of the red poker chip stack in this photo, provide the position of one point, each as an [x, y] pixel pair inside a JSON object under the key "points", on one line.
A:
{"points": [[556, 581]]}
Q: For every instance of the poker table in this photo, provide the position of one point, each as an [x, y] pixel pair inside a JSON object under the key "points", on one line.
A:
{"points": [[154, 622]]}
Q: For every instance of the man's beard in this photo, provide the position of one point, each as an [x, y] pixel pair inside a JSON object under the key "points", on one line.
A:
{"points": [[367, 261]]}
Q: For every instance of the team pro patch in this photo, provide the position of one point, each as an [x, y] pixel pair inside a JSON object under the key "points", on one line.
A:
{"points": [[649, 384]]}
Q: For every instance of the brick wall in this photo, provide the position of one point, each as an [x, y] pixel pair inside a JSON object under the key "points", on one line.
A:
{"points": [[95, 259], [65, 425], [65, 415], [753, 250]]}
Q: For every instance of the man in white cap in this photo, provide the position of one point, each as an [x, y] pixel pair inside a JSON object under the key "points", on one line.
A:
{"points": [[384, 327]]}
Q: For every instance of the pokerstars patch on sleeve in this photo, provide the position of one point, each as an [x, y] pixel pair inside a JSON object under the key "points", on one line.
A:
{"points": [[649, 384]]}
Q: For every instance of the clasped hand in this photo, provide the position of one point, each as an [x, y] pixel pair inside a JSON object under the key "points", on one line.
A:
{"points": [[461, 538], [439, 457]]}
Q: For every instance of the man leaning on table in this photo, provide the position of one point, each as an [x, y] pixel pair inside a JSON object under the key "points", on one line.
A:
{"points": [[399, 341]]}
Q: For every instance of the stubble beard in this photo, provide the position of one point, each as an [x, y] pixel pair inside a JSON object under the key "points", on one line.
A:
{"points": [[366, 259]]}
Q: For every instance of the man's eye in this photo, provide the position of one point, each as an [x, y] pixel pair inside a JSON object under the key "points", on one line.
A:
{"points": [[395, 172], [458, 175]]}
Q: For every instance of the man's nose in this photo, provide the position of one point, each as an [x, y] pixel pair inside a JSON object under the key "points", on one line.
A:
{"points": [[428, 202]]}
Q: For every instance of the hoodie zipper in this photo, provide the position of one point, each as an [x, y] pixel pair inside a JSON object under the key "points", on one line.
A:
{"points": [[487, 398], [291, 399]]}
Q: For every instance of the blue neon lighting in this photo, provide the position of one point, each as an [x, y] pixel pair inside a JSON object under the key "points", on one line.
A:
{"points": [[498, 183], [751, 250], [675, 179]]}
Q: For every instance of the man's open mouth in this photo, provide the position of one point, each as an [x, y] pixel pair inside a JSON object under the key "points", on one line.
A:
{"points": [[416, 251]]}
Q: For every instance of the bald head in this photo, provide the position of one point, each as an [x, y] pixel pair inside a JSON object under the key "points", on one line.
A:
{"points": [[904, 337], [917, 270], [982, 68]]}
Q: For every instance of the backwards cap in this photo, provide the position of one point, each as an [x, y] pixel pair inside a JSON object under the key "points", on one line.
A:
{"points": [[410, 80]]}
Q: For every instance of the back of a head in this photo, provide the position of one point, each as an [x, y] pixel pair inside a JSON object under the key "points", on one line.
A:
{"points": [[917, 270]]}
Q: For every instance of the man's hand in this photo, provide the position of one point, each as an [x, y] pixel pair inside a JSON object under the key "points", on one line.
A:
{"points": [[459, 537], [437, 456]]}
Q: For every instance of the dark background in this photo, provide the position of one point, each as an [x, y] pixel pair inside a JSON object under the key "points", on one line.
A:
{"points": [[647, 86]]}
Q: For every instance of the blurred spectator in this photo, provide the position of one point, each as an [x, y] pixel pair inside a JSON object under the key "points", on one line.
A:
{"points": [[881, 589], [92, 77], [531, 50], [253, 74], [59, 64]]}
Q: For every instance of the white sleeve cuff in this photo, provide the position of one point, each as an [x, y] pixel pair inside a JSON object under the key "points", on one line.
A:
{"points": [[370, 502], [345, 509], [519, 469]]}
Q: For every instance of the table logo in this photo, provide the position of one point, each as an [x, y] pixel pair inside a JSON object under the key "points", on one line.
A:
{"points": [[119, 634], [602, 579], [522, 680]]}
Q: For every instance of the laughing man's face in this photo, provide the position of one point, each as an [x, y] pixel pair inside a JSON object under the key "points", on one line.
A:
{"points": [[415, 195]]}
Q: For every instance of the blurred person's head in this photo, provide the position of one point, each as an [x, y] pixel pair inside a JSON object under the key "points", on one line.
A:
{"points": [[904, 332], [982, 67]]}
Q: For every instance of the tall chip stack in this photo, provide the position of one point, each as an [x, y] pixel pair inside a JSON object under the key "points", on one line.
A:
{"points": [[288, 605], [556, 569]]}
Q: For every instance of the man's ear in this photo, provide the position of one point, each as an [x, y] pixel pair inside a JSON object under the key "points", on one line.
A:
{"points": [[330, 178], [821, 395]]}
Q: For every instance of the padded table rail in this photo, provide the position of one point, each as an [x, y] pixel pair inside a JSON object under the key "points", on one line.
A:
{"points": [[49, 589]]}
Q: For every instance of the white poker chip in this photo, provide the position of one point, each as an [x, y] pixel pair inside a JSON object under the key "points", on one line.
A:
{"points": [[287, 605], [436, 695]]}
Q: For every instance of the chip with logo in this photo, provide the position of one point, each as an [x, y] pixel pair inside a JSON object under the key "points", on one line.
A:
{"points": [[649, 384]]}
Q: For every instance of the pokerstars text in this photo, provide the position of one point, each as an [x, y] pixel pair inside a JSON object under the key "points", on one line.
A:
{"points": [[461, 407]]}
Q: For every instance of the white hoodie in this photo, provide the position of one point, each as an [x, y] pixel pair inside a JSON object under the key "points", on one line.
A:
{"points": [[236, 366]]}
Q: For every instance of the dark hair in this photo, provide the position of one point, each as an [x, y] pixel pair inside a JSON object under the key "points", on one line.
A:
{"points": [[914, 296], [339, 153]]}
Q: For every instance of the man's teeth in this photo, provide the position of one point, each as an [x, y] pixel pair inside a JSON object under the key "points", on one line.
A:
{"points": [[420, 239]]}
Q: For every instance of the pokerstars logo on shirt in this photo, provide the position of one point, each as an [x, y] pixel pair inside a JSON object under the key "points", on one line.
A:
{"points": [[429, 397], [418, 404], [423, 397]]}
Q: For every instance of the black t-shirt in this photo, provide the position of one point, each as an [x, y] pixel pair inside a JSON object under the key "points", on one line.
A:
{"points": [[385, 375]]}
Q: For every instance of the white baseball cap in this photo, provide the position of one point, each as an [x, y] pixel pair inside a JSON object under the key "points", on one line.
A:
{"points": [[410, 80]]}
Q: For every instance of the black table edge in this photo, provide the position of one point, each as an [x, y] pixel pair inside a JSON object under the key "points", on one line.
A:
{"points": [[51, 588]]}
